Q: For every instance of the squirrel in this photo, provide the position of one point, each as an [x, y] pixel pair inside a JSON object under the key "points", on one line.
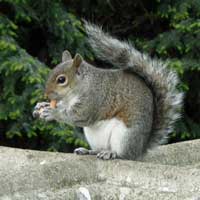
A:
{"points": [[123, 111]]}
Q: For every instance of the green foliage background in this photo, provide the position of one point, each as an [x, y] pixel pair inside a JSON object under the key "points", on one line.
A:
{"points": [[33, 35]]}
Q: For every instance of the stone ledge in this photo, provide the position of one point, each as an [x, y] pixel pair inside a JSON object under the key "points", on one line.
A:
{"points": [[168, 172], [181, 154]]}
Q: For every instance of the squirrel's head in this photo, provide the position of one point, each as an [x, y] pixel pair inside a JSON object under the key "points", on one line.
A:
{"points": [[64, 76]]}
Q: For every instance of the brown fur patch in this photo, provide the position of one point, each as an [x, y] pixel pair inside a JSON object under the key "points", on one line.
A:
{"points": [[123, 117], [120, 114]]}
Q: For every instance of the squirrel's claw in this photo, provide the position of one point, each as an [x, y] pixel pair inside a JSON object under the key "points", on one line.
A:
{"points": [[41, 105], [43, 111], [36, 114], [81, 151], [107, 155], [46, 114]]}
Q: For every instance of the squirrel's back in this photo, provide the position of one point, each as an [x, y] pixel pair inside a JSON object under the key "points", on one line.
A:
{"points": [[120, 93]]}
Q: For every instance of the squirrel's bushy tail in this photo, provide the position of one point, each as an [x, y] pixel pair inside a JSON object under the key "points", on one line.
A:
{"points": [[167, 98]]}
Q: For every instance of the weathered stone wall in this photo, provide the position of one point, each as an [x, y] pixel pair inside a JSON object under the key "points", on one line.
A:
{"points": [[167, 172]]}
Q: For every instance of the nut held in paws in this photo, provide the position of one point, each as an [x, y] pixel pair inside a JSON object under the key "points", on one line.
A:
{"points": [[53, 103]]}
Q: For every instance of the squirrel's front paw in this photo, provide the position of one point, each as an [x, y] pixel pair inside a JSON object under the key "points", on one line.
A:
{"points": [[39, 108], [46, 114], [43, 110]]}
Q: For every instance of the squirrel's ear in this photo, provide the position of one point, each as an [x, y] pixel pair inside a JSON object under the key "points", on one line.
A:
{"points": [[77, 60], [66, 55]]}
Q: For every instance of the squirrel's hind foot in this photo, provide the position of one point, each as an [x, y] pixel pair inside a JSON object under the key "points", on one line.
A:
{"points": [[107, 155], [104, 155]]}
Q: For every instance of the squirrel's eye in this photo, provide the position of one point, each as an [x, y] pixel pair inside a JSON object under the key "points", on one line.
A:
{"points": [[61, 80]]}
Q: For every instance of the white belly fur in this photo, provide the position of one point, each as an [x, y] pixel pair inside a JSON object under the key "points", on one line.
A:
{"points": [[106, 135]]}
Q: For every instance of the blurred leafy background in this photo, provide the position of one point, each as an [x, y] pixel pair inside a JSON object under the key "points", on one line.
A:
{"points": [[33, 34]]}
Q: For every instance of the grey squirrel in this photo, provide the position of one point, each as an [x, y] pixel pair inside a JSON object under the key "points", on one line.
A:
{"points": [[123, 111]]}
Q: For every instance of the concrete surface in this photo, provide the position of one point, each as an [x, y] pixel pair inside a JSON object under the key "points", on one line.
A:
{"points": [[167, 172]]}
